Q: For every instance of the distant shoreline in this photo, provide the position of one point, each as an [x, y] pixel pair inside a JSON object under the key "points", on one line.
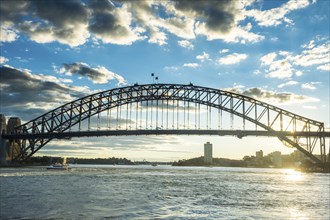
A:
{"points": [[206, 166]]}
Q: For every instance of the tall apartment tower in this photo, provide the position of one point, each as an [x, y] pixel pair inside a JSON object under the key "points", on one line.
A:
{"points": [[259, 154], [276, 158], [208, 152]]}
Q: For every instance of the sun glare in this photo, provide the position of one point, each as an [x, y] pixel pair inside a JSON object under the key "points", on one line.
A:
{"points": [[293, 175], [297, 214]]}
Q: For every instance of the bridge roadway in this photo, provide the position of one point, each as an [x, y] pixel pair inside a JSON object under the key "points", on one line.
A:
{"points": [[238, 133]]}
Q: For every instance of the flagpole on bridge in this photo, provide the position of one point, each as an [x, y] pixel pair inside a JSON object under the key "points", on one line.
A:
{"points": [[153, 78]]}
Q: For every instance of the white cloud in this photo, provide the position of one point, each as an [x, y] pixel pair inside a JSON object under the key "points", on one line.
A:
{"points": [[289, 83], [171, 69], [191, 65], [232, 59], [238, 86], [283, 64], [114, 26], [298, 73], [186, 44], [288, 21], [276, 16], [268, 58], [127, 22], [7, 34], [310, 45], [280, 69], [235, 35], [203, 57], [49, 78], [309, 107], [99, 75], [157, 37], [224, 51], [314, 55], [3, 60], [310, 86], [73, 36], [256, 72], [325, 67], [109, 75], [283, 53], [273, 97]]}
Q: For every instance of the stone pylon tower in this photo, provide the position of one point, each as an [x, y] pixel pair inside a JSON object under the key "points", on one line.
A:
{"points": [[8, 148], [3, 142]]}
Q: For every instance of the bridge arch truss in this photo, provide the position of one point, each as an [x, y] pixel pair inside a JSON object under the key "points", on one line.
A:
{"points": [[38, 132]]}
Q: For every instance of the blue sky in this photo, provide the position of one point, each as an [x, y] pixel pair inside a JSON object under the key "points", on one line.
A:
{"points": [[275, 51]]}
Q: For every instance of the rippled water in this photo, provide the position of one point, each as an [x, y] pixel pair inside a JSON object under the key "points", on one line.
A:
{"points": [[145, 192]]}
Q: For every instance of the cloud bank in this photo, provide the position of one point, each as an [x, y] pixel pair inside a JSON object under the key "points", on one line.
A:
{"points": [[232, 59], [284, 65], [75, 22], [29, 95], [273, 97]]}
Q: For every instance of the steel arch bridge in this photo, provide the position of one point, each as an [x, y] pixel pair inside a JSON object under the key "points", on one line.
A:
{"points": [[150, 108]]}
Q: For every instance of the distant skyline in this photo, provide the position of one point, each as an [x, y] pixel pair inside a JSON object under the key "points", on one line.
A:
{"points": [[56, 51]]}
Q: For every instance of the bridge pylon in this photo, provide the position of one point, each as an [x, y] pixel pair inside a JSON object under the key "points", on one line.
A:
{"points": [[9, 148]]}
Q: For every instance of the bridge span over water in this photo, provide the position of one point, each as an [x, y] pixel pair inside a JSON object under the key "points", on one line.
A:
{"points": [[168, 109]]}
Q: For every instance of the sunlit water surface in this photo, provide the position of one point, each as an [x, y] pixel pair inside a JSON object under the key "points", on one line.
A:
{"points": [[162, 192]]}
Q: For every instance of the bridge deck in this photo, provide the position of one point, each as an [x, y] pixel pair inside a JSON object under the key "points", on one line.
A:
{"points": [[238, 133]]}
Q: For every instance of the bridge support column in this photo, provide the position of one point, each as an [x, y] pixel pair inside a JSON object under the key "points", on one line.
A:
{"points": [[3, 142], [14, 145], [8, 148]]}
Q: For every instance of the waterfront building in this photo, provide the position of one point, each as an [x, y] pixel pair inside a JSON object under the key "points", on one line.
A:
{"points": [[276, 158], [259, 154], [298, 156], [208, 157]]}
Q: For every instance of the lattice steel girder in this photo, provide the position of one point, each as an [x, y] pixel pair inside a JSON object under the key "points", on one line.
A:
{"points": [[255, 111]]}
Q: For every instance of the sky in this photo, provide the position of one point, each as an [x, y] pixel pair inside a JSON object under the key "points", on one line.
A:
{"points": [[56, 51]]}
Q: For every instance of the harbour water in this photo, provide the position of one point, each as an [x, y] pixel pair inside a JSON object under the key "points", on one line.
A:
{"points": [[162, 192]]}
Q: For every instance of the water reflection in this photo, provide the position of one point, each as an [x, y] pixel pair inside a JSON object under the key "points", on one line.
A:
{"points": [[293, 175], [297, 214], [147, 192]]}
